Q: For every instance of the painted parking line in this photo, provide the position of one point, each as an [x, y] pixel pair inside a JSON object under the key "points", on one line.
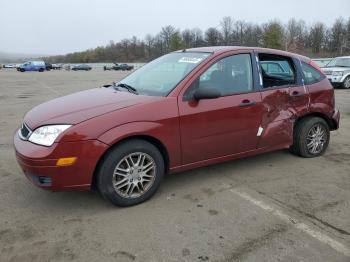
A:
{"points": [[295, 222]]}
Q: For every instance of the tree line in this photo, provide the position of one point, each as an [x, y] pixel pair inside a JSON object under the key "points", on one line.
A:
{"points": [[316, 40]]}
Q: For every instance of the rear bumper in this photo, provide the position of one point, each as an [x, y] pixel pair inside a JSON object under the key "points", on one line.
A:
{"points": [[336, 119], [39, 163]]}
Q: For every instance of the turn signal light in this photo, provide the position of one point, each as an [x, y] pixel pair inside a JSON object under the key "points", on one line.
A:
{"points": [[67, 161]]}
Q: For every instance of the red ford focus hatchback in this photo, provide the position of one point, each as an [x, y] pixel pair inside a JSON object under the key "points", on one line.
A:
{"points": [[184, 110]]}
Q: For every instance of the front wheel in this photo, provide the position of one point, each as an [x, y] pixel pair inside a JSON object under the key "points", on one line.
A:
{"points": [[130, 173], [346, 83], [311, 137]]}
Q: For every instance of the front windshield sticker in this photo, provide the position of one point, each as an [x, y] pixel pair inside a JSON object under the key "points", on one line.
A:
{"points": [[192, 60]]}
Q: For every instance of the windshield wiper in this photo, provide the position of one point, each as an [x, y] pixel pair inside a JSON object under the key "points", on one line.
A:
{"points": [[127, 87], [341, 66]]}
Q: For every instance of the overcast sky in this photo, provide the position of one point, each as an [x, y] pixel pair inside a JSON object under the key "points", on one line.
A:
{"points": [[58, 27]]}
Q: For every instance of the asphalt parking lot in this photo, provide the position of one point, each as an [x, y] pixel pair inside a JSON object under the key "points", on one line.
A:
{"points": [[272, 207]]}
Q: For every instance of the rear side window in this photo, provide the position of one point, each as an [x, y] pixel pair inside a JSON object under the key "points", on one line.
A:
{"points": [[277, 71], [311, 75]]}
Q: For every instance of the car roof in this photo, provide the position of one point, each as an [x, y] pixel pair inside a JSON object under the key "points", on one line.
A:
{"points": [[343, 57], [223, 49]]}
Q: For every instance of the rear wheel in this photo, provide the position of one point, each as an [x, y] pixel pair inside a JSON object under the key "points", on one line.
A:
{"points": [[130, 173], [346, 83], [311, 137]]}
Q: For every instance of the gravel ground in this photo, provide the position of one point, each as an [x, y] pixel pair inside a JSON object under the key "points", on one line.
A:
{"points": [[272, 207]]}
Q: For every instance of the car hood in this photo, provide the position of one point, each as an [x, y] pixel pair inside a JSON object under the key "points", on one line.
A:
{"points": [[81, 106]]}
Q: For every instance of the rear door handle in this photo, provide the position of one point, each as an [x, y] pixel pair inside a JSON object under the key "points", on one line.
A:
{"points": [[247, 102], [296, 93]]}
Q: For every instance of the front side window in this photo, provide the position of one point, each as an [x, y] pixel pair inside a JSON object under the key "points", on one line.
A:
{"points": [[311, 75], [277, 70], [230, 75], [160, 76]]}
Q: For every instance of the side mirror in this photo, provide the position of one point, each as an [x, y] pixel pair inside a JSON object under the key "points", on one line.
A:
{"points": [[206, 93]]}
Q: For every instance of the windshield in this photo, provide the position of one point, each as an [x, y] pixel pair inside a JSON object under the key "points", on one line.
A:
{"points": [[160, 76], [341, 62]]}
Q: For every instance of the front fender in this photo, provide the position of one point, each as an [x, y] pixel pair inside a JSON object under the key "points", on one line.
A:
{"points": [[167, 133]]}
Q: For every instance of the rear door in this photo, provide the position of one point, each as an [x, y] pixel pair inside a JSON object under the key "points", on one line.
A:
{"points": [[283, 98], [212, 128]]}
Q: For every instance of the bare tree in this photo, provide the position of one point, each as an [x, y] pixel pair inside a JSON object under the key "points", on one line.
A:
{"points": [[187, 38], [337, 36], [296, 35], [226, 30], [149, 41], [197, 37], [166, 34], [238, 32], [317, 37], [213, 36], [347, 38]]}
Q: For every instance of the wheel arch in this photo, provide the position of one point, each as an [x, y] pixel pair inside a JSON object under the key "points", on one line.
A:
{"points": [[331, 123], [154, 141]]}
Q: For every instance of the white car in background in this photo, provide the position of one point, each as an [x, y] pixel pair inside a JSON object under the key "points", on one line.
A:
{"points": [[322, 62], [338, 71], [9, 66]]}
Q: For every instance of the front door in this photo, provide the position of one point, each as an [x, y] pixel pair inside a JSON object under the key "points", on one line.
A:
{"points": [[212, 128]]}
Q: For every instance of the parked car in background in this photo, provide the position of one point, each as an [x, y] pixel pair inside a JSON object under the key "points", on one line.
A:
{"points": [[39, 66], [48, 66], [57, 66], [338, 72], [9, 66], [108, 67], [322, 62], [81, 67], [184, 110], [122, 67]]}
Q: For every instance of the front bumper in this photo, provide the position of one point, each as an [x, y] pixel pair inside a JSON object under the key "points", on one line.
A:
{"points": [[39, 163], [335, 79]]}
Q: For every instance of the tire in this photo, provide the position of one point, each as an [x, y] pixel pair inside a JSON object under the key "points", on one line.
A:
{"points": [[346, 83], [41, 70], [302, 137], [128, 194], [22, 70]]}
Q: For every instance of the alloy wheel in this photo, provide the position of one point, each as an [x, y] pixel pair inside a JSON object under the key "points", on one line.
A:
{"points": [[347, 83], [316, 139], [134, 175]]}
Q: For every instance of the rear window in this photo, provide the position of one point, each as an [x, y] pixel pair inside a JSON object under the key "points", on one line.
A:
{"points": [[311, 75]]}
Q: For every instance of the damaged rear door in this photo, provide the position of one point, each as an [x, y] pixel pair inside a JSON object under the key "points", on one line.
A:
{"points": [[282, 96]]}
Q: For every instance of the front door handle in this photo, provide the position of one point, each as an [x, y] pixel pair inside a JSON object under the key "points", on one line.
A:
{"points": [[296, 93], [247, 102]]}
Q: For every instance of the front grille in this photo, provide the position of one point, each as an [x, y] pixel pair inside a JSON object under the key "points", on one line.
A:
{"points": [[24, 132], [327, 72]]}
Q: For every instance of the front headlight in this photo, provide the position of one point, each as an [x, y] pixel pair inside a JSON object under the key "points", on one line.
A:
{"points": [[337, 73], [46, 135]]}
